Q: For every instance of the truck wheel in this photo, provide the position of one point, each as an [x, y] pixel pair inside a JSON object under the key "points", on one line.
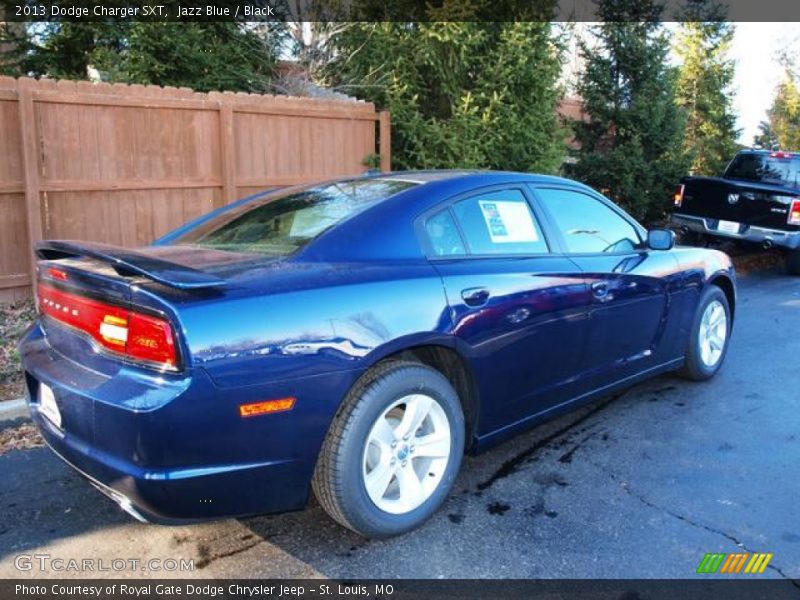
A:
{"points": [[793, 262], [393, 451], [708, 340]]}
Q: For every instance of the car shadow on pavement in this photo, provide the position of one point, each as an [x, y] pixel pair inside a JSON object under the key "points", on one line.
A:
{"points": [[43, 500], [470, 515]]}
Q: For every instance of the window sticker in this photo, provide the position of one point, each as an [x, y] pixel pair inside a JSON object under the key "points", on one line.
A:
{"points": [[508, 222]]}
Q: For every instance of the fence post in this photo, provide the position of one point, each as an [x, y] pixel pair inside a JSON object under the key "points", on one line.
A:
{"points": [[226, 152], [385, 135], [30, 161]]}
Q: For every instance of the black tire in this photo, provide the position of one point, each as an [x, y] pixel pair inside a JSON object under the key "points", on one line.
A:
{"points": [[338, 481], [793, 262], [695, 368]]}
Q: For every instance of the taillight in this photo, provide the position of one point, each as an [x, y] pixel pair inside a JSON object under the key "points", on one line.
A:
{"points": [[150, 339], [794, 212], [132, 334], [678, 198]]}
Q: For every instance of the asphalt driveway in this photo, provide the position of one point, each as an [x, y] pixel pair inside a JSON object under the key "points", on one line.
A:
{"points": [[639, 485]]}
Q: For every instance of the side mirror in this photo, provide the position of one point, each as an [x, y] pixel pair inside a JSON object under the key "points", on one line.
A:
{"points": [[660, 239]]}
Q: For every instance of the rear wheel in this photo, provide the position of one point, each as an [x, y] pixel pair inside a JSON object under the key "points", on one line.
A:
{"points": [[393, 452], [708, 341], [793, 262]]}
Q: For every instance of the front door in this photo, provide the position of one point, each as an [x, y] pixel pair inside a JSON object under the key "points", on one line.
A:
{"points": [[626, 280]]}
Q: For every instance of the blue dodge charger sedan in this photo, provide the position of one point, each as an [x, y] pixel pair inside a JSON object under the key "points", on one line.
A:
{"points": [[355, 337]]}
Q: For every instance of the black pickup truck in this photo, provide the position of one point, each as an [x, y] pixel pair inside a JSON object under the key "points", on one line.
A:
{"points": [[757, 200]]}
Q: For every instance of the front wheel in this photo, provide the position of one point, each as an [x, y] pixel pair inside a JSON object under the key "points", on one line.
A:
{"points": [[708, 341], [393, 451]]}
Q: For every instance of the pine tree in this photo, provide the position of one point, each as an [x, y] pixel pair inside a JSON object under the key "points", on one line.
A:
{"points": [[461, 94], [200, 55], [631, 145], [765, 138], [703, 88], [784, 115]]}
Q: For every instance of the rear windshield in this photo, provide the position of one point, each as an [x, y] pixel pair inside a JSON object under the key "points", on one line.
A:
{"points": [[765, 168], [281, 225]]}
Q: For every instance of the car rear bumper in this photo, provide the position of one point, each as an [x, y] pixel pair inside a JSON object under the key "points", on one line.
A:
{"points": [[749, 233], [175, 449], [180, 496]]}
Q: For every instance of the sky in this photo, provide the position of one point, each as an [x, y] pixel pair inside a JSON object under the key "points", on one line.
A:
{"points": [[755, 51], [755, 47]]}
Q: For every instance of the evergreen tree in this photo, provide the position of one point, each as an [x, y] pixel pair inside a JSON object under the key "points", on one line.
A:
{"points": [[461, 94], [765, 138], [703, 88], [200, 55], [631, 145], [784, 115], [65, 50]]}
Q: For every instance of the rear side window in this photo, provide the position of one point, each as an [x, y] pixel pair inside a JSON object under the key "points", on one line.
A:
{"points": [[500, 222], [587, 225], [443, 235], [280, 225]]}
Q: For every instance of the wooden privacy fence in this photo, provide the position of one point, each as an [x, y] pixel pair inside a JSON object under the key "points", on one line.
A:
{"points": [[125, 164]]}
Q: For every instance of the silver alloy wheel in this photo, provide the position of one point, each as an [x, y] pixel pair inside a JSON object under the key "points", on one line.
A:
{"points": [[713, 333], [406, 454]]}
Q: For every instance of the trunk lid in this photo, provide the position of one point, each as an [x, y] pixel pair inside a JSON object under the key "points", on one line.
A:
{"points": [[153, 281]]}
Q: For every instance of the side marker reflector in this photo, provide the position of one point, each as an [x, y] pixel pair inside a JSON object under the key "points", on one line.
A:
{"points": [[268, 406]]}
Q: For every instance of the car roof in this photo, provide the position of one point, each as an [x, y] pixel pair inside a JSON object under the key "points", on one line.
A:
{"points": [[423, 176], [432, 175]]}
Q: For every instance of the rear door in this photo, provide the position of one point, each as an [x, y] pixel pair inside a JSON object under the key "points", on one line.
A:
{"points": [[519, 311], [628, 283]]}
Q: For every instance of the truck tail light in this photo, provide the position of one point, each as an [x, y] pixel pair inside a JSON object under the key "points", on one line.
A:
{"points": [[678, 198], [794, 212], [140, 337]]}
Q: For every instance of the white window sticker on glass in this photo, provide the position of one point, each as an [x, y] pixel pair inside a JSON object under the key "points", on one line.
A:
{"points": [[508, 222]]}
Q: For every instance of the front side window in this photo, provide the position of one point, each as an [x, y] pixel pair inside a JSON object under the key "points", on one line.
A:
{"points": [[499, 222], [282, 225], [587, 225]]}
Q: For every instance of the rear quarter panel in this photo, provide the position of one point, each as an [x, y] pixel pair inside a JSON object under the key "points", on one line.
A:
{"points": [[314, 320]]}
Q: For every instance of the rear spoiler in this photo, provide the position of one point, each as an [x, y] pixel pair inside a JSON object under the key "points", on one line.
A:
{"points": [[127, 261]]}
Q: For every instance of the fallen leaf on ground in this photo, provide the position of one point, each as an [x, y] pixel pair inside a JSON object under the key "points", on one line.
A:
{"points": [[20, 438]]}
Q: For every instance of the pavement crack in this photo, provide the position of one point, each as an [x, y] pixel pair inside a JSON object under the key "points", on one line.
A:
{"points": [[206, 557], [683, 518], [513, 464], [567, 456]]}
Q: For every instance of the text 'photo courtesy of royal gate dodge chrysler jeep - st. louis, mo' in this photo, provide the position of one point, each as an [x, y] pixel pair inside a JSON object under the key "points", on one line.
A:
{"points": [[355, 338]]}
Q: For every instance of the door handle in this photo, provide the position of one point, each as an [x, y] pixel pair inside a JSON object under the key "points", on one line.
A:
{"points": [[476, 296], [599, 289]]}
